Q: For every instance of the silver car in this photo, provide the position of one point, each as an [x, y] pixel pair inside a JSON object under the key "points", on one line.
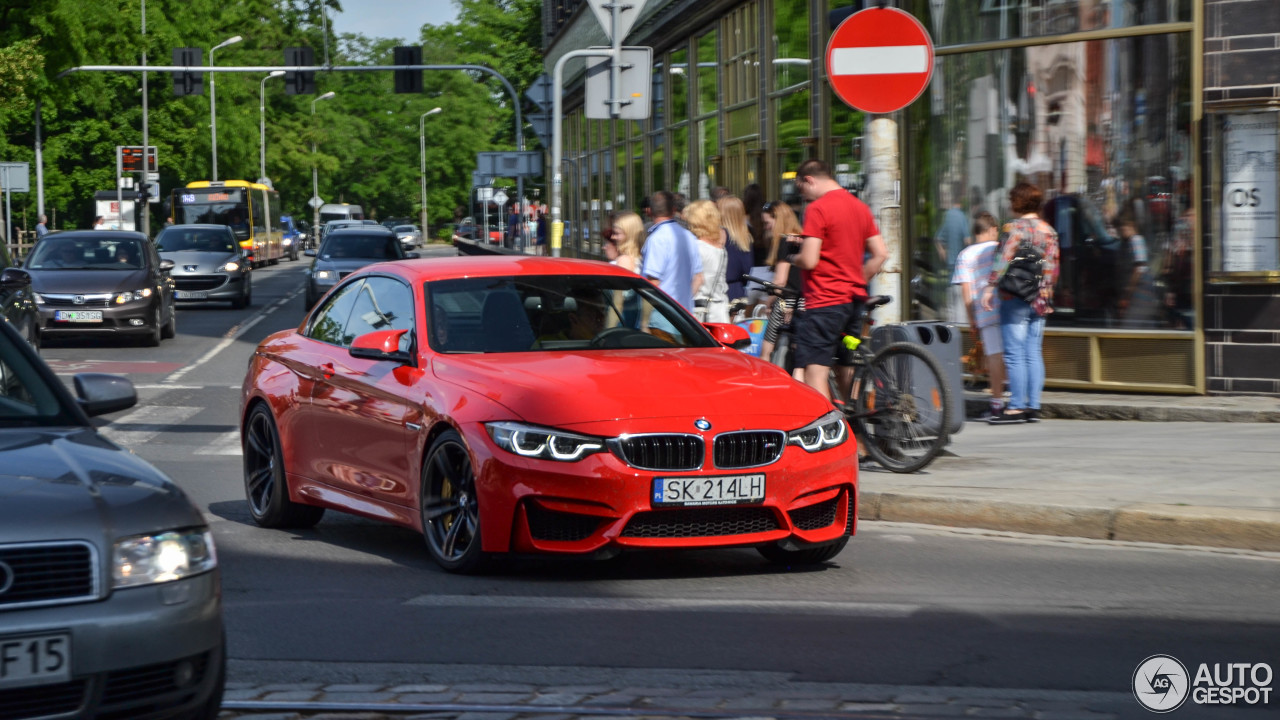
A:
{"points": [[409, 235], [110, 600], [207, 264]]}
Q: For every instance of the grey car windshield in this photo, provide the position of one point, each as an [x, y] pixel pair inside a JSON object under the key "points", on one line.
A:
{"points": [[406, 229], [176, 239], [87, 253], [359, 245], [561, 312]]}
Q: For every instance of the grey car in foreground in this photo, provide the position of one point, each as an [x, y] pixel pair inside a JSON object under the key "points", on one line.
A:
{"points": [[110, 599], [347, 250], [207, 264]]}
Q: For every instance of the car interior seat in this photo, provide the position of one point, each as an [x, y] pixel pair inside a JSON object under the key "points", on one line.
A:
{"points": [[505, 325]]}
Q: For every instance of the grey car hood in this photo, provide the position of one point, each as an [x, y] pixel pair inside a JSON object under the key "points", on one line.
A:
{"points": [[204, 263], [87, 282], [72, 483]]}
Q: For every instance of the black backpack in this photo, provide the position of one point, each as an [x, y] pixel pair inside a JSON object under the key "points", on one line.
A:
{"points": [[1024, 274]]}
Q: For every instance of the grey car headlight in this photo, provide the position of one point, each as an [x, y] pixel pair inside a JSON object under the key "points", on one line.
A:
{"points": [[827, 431], [539, 442], [130, 296], [230, 267], [164, 557], [326, 277]]}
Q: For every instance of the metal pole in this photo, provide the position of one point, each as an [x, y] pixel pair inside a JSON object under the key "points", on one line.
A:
{"points": [[324, 31], [213, 101], [119, 191], [422, 167], [146, 147], [262, 124], [315, 178], [557, 142], [39, 166]]}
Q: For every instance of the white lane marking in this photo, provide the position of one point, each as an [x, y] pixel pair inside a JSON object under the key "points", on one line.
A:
{"points": [[143, 424], [885, 610], [234, 334], [228, 443], [887, 60], [166, 386]]}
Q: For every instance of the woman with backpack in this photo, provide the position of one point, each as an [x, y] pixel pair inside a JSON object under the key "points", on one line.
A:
{"points": [[1024, 273]]}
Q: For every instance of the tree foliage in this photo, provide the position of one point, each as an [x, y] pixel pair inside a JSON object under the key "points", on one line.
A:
{"points": [[366, 137]]}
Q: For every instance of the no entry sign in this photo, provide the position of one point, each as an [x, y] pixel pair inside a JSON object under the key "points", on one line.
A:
{"points": [[879, 60]]}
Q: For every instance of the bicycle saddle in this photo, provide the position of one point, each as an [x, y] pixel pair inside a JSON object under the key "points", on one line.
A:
{"points": [[876, 301]]}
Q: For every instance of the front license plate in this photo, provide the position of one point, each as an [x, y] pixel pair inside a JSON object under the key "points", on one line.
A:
{"points": [[35, 660], [192, 295], [726, 490], [78, 316]]}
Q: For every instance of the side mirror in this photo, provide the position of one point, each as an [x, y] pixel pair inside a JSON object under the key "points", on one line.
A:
{"points": [[309, 252], [729, 335], [14, 278], [411, 256], [381, 345], [99, 393], [166, 265]]}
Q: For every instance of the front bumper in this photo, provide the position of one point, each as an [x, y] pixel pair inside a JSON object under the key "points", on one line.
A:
{"points": [[198, 288], [115, 319], [601, 502], [148, 652]]}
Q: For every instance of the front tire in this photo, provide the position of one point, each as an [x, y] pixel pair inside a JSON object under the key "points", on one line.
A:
{"points": [[153, 338], [265, 484], [170, 329], [803, 556], [903, 413], [450, 508]]}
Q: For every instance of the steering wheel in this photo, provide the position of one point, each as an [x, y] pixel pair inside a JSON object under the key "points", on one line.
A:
{"points": [[611, 337]]}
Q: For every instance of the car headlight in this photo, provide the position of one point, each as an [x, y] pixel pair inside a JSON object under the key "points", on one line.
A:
{"points": [[164, 557], [37, 297], [827, 431], [288, 241], [231, 266], [128, 296], [327, 275], [546, 443]]}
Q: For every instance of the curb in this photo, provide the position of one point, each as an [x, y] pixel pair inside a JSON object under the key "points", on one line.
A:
{"points": [[976, 407], [1241, 529]]}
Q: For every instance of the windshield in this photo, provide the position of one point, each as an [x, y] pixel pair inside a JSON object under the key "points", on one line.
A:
{"points": [[406, 229], [87, 253], [26, 399], [179, 239], [358, 245], [556, 312], [223, 207]]}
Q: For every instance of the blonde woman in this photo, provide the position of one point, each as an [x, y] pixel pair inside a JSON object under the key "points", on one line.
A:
{"points": [[733, 216], [625, 241], [779, 221], [711, 300]]}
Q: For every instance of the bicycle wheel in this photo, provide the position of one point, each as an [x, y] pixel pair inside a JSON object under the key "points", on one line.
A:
{"points": [[903, 408]]}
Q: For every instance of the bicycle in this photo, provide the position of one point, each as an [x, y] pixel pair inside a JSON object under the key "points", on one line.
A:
{"points": [[899, 406]]}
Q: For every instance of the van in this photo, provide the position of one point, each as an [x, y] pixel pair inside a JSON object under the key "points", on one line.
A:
{"points": [[340, 211]]}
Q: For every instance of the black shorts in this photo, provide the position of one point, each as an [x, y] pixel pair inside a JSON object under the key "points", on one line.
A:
{"points": [[819, 331]]}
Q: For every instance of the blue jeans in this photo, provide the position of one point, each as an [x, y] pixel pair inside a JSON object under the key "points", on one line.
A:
{"points": [[1022, 331]]}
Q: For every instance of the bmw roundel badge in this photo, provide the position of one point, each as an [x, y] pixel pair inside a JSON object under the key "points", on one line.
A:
{"points": [[702, 424]]}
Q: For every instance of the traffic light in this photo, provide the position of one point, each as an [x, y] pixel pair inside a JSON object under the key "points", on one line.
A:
{"points": [[408, 81], [298, 82], [187, 82]]}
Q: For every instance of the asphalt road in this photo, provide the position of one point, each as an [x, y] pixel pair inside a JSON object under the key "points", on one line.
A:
{"points": [[902, 605]]}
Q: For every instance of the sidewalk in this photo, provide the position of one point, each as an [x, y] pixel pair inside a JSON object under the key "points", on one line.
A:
{"points": [[1183, 483]]}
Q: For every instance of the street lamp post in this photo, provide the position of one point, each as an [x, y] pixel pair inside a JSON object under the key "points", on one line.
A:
{"points": [[262, 124], [422, 153], [315, 180], [213, 101]]}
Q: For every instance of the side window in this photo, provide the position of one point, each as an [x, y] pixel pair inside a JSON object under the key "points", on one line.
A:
{"points": [[329, 321], [382, 304]]}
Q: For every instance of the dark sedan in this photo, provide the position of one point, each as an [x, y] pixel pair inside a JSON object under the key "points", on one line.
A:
{"points": [[102, 282], [207, 264], [18, 305], [110, 600], [347, 250]]}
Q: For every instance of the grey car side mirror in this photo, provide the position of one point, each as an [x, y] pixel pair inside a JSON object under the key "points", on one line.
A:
{"points": [[100, 393], [309, 252]]}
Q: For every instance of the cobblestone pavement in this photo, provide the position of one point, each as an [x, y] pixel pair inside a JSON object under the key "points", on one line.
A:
{"points": [[802, 701]]}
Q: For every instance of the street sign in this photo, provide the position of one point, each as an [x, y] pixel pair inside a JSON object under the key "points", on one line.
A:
{"points": [[539, 93], [636, 76], [315, 202], [131, 158], [15, 177], [541, 123], [509, 164], [484, 194], [500, 197], [628, 12], [478, 179], [879, 60]]}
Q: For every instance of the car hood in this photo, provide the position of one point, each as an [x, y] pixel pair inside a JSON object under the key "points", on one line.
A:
{"points": [[203, 262], [87, 281], [585, 389], [345, 265], [59, 483]]}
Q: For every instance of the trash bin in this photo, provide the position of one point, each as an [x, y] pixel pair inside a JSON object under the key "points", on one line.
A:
{"points": [[941, 340]]}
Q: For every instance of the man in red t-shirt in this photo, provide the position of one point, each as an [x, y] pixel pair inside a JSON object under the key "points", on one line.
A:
{"points": [[840, 251]]}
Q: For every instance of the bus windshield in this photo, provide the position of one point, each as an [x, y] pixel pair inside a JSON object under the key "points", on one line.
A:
{"points": [[213, 206]]}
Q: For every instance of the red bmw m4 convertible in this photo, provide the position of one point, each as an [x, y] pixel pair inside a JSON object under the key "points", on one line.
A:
{"points": [[539, 405]]}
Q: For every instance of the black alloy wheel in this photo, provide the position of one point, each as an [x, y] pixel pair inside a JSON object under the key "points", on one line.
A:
{"points": [[153, 337], [265, 485], [803, 556], [450, 509], [170, 329], [246, 295]]}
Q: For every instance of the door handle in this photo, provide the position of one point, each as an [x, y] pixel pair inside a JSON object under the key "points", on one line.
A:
{"points": [[328, 370]]}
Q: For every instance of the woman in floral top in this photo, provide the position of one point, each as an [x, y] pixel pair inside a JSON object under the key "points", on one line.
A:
{"points": [[1022, 323]]}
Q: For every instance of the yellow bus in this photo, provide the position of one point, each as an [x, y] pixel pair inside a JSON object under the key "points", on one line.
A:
{"points": [[250, 209]]}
